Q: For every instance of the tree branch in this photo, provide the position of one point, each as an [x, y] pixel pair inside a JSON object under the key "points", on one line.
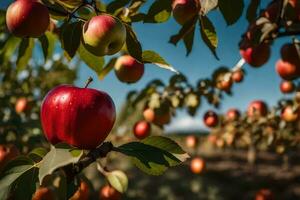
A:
{"points": [[100, 152], [288, 33]]}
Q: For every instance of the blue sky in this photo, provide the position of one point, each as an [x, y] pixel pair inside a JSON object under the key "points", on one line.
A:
{"points": [[261, 83]]}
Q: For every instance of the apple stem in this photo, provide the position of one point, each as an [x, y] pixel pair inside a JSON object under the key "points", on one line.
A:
{"points": [[90, 79]]}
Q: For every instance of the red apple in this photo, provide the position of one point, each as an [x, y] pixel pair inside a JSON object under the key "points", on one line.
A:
{"points": [[81, 117], [142, 129], [27, 18], [256, 56], [289, 114], [82, 193], [286, 70], [185, 10], [287, 87], [104, 35], [238, 76], [21, 105], [191, 141], [224, 85], [128, 69], [233, 114], [257, 108], [264, 194], [44, 193], [8, 152], [197, 165], [109, 193], [210, 119]]}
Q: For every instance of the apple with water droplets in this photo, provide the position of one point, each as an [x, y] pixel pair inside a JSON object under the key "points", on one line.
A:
{"points": [[81, 117]]}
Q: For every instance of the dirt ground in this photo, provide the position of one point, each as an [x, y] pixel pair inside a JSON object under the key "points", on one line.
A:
{"points": [[228, 176]]}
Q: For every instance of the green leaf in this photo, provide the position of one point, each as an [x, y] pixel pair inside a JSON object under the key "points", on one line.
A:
{"points": [[12, 172], [94, 62], [231, 10], [110, 65], [252, 10], [154, 155], [47, 41], [189, 41], [115, 5], [159, 11], [208, 5], [10, 47], [154, 58], [118, 180], [59, 156], [70, 37], [37, 154], [133, 45], [56, 11], [25, 52], [186, 29], [208, 34]]}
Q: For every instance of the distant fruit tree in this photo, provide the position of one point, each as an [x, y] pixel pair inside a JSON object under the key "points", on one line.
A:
{"points": [[52, 131]]}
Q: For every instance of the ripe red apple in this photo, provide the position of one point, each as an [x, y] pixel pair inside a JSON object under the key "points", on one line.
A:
{"points": [[257, 108], [8, 152], [287, 87], [289, 114], [233, 114], [82, 193], [21, 105], [286, 70], [27, 18], [256, 56], [128, 69], [81, 117], [158, 117], [142, 129], [109, 193], [185, 10], [264, 194], [238, 76], [210, 119], [44, 193], [224, 85], [191, 141], [104, 35], [197, 165]]}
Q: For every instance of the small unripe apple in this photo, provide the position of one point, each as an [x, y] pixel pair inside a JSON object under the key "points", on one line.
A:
{"points": [[197, 165], [44, 193], [238, 76], [191, 141], [142, 129], [27, 18], [233, 114], [128, 69], [8, 152], [82, 117], [185, 10], [257, 108], [264, 194], [159, 118], [287, 70], [21, 105], [288, 114], [109, 193], [210, 119], [256, 56], [103, 35], [82, 193], [287, 87]]}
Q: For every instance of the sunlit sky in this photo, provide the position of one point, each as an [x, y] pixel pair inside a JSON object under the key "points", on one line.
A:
{"points": [[261, 83]]}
